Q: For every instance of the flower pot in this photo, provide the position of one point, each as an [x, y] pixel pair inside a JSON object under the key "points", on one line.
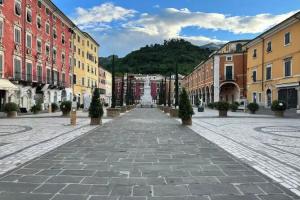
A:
{"points": [[12, 114], [113, 112], [96, 121], [66, 114], [167, 109], [174, 112], [187, 122], [222, 113], [252, 111], [279, 113], [200, 109], [123, 109]]}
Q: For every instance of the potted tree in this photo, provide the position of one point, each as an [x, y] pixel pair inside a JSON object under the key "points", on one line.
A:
{"points": [[253, 107], [54, 107], [234, 106], [278, 107], [66, 107], [211, 105], [11, 109], [223, 108], [36, 108], [185, 109], [96, 109]]}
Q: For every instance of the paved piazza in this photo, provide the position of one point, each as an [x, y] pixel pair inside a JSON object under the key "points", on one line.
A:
{"points": [[28, 137], [270, 145], [144, 155]]}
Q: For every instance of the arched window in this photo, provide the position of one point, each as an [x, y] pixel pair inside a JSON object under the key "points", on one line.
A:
{"points": [[239, 47], [269, 97]]}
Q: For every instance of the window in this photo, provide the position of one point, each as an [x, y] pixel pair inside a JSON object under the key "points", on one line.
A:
{"points": [[78, 64], [29, 72], [254, 97], [254, 76], [1, 28], [78, 39], [54, 34], [39, 22], [48, 11], [259, 97], [17, 68], [47, 50], [63, 38], [228, 58], [17, 35], [48, 76], [28, 15], [63, 78], [288, 67], [82, 81], [28, 40], [39, 3], [74, 78], [55, 77], [47, 28], [269, 72], [254, 53], [54, 55], [88, 82], [39, 73], [70, 61], [229, 73], [82, 66], [54, 17], [1, 65], [287, 38], [39, 45], [70, 79], [269, 47], [1, 2], [88, 43], [63, 58], [18, 7]]}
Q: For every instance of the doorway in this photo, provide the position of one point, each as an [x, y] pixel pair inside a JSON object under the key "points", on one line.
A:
{"points": [[2, 100]]}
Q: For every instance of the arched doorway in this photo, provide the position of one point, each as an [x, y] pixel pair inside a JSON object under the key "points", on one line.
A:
{"points": [[269, 97], [203, 95], [229, 92], [63, 95], [212, 94], [55, 97]]}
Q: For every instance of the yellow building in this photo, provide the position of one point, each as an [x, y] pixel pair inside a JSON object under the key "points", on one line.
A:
{"points": [[273, 65], [85, 76]]}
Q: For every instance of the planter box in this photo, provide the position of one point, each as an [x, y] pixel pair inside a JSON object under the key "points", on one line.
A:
{"points": [[174, 112], [96, 121], [223, 113], [123, 109], [279, 113], [187, 122], [12, 114], [113, 112], [66, 114], [167, 109]]}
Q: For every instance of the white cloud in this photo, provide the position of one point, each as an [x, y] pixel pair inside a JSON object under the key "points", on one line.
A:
{"points": [[103, 13], [121, 30]]}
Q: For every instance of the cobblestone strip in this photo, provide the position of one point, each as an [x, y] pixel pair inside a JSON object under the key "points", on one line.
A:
{"points": [[22, 156], [284, 175]]}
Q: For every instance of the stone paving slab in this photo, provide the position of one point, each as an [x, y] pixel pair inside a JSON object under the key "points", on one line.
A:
{"points": [[268, 144], [143, 155]]}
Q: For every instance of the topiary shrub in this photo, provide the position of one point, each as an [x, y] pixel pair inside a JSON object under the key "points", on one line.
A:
{"points": [[234, 106], [11, 107], [54, 107], [253, 107], [185, 108], [96, 109], [36, 108], [278, 107], [66, 107], [211, 105], [223, 108]]}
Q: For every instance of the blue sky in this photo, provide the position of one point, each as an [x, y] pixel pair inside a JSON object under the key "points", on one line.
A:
{"points": [[121, 26]]}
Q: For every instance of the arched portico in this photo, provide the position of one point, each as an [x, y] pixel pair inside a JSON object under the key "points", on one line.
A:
{"points": [[229, 92]]}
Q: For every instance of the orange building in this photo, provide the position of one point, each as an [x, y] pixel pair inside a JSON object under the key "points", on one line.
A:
{"points": [[273, 66], [222, 77]]}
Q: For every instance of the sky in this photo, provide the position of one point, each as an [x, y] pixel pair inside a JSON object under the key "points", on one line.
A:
{"points": [[121, 26]]}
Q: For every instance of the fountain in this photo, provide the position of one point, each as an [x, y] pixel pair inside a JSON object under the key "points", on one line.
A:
{"points": [[146, 100]]}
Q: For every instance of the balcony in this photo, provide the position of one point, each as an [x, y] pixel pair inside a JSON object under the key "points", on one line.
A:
{"points": [[228, 78]]}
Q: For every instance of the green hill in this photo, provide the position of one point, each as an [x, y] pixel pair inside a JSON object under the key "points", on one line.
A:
{"points": [[160, 58]]}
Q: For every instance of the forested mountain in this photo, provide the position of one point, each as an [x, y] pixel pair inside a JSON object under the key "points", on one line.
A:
{"points": [[160, 58]]}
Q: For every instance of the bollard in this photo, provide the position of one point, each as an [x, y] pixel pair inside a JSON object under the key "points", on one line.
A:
{"points": [[73, 117]]}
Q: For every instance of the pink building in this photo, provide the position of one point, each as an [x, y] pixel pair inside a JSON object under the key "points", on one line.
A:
{"points": [[35, 53]]}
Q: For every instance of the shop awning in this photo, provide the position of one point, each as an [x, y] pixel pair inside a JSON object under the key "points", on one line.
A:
{"points": [[7, 85]]}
